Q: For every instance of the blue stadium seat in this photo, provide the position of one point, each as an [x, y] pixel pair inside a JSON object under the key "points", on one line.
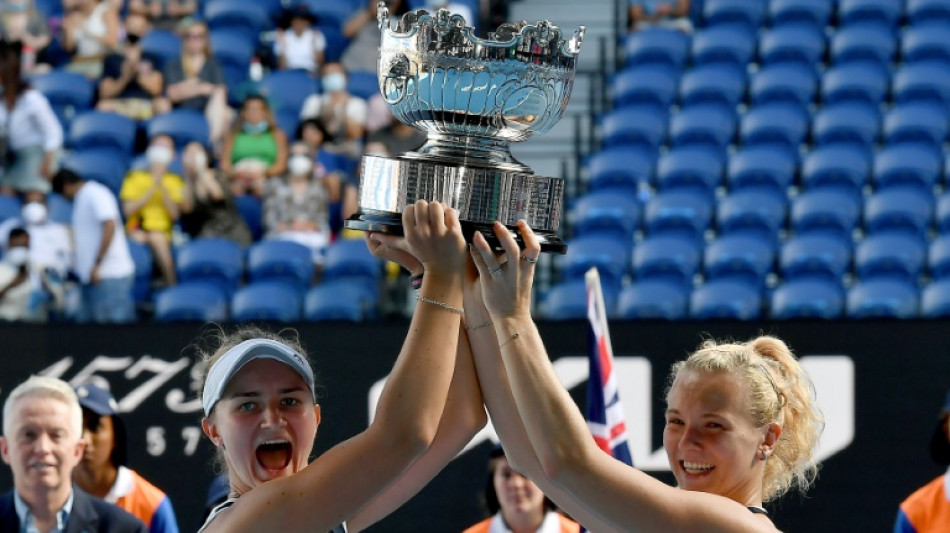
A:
{"points": [[723, 44], [917, 122], [218, 261], [349, 258], [935, 299], [739, 255], [266, 300], [678, 211], [288, 89], [864, 42], [142, 277], [942, 215], [648, 84], [234, 54], [924, 81], [286, 261], [49, 8], [927, 11], [609, 254], [761, 166], [752, 210], [721, 84], [620, 168], [68, 93], [287, 121], [726, 298], [339, 300], [183, 125], [605, 211], [815, 13], [568, 300], [734, 12], [704, 124], [841, 165], [800, 44], [827, 209], [815, 255], [195, 301], [251, 209], [847, 122], [899, 208], [690, 166], [10, 207], [336, 42], [161, 46], [334, 12], [808, 298], [248, 17], [776, 124], [890, 254], [938, 257], [656, 46], [653, 298], [97, 164], [887, 12], [643, 125], [60, 209], [789, 83], [926, 42], [667, 257], [858, 81], [907, 164], [97, 129], [363, 84], [882, 298]]}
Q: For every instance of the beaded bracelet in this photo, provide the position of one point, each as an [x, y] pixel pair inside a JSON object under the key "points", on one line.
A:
{"points": [[480, 326], [416, 281], [443, 305]]}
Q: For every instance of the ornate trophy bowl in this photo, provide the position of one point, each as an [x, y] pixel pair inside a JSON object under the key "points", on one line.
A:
{"points": [[472, 97]]}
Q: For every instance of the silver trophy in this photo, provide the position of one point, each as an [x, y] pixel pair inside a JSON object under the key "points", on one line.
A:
{"points": [[472, 97]]}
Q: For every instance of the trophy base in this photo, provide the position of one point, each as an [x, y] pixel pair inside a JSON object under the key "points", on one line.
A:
{"points": [[391, 224]]}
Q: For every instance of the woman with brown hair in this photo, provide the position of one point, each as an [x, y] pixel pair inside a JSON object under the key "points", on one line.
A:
{"points": [[255, 149]]}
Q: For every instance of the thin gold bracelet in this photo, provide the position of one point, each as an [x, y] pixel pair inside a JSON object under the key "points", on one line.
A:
{"points": [[480, 326], [443, 305]]}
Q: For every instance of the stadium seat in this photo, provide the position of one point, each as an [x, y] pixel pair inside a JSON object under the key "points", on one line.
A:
{"points": [[10, 207], [777, 124], [827, 209], [97, 129], [713, 83], [568, 300], [161, 46], [234, 54], [287, 121], [142, 278], [800, 44], [704, 124], [275, 260], [667, 257], [943, 213], [333, 12], [339, 300], [195, 301], [248, 17], [349, 258], [634, 125], [734, 12], [68, 93], [60, 209], [788, 83], [890, 254], [926, 42], [183, 125], [739, 255], [761, 166], [97, 164], [924, 81], [812, 255], [938, 257], [609, 254], [678, 211], [882, 298], [935, 299], [690, 166], [840, 165], [723, 44], [756, 210], [858, 81], [288, 89], [907, 164], [656, 46], [917, 122], [927, 11], [887, 12], [899, 208], [362, 83], [605, 211], [864, 42], [266, 300], [251, 210], [653, 298], [814, 13], [726, 299], [847, 122], [808, 298], [620, 167], [648, 84], [336, 42], [218, 261]]}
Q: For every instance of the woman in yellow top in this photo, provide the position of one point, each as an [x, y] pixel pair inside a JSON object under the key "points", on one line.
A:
{"points": [[152, 201]]}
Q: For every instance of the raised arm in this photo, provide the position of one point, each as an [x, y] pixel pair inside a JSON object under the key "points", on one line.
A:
{"points": [[623, 496]]}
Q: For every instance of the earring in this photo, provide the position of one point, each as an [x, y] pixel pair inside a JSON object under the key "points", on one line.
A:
{"points": [[764, 454]]}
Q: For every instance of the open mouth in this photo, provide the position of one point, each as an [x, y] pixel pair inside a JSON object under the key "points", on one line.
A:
{"points": [[274, 455], [696, 469]]}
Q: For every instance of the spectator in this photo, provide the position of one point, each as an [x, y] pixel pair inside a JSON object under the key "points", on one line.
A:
{"points": [[301, 45], [329, 169], [51, 247], [259, 144], [151, 203], [454, 8], [42, 423], [399, 138], [196, 81], [16, 291], [343, 114], [32, 135], [103, 473], [208, 209], [103, 262], [927, 510], [295, 209], [22, 22], [515, 503], [164, 14], [362, 30], [130, 82], [90, 31], [673, 14]]}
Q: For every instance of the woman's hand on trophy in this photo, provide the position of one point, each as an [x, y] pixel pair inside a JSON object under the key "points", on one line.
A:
{"points": [[393, 248], [434, 237], [506, 278]]}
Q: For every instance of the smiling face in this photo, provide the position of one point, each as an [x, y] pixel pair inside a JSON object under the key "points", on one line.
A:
{"points": [[710, 439], [517, 495], [265, 423]]}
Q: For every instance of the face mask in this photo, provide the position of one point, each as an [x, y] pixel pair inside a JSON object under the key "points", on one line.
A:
{"points": [[17, 256], [159, 155], [255, 128], [299, 165], [333, 82], [200, 160], [33, 213]]}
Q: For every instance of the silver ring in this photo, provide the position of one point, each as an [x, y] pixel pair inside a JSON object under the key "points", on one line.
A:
{"points": [[495, 272], [527, 259]]}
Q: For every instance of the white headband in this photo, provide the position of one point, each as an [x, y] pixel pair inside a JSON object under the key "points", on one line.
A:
{"points": [[234, 360]]}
